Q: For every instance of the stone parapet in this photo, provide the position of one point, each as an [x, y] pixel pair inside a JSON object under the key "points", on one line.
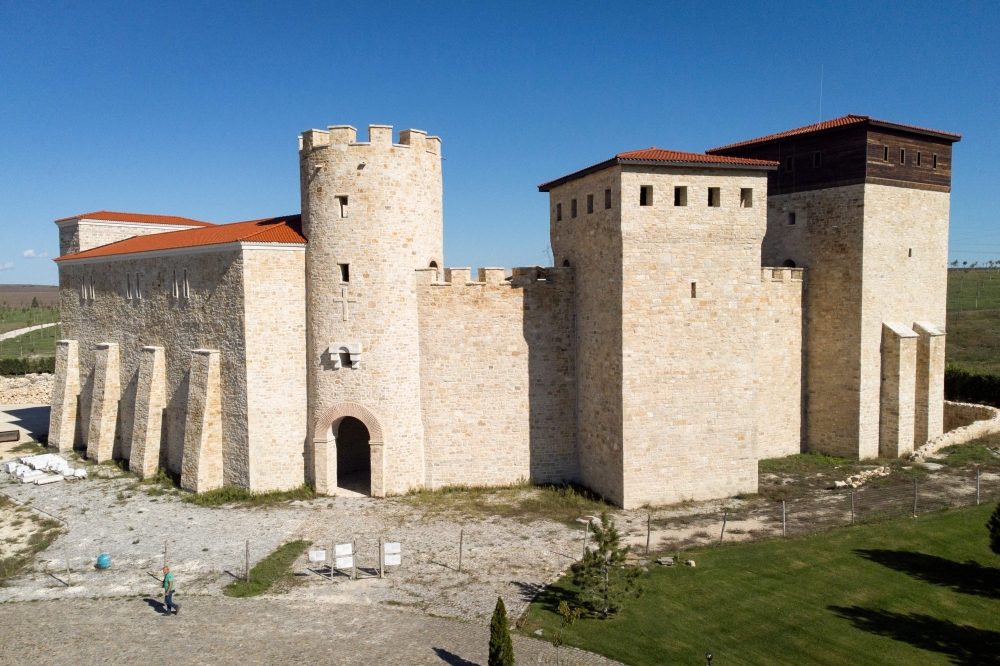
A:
{"points": [[963, 423]]}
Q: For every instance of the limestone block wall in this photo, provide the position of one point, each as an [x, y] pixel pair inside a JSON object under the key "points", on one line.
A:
{"points": [[65, 396], [591, 244], [211, 316], [79, 236], [497, 374], [376, 207], [690, 293], [779, 398], [963, 422], [202, 464], [275, 322], [147, 422], [105, 395]]}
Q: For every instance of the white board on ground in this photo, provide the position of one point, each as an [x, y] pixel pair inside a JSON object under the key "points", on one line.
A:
{"points": [[343, 549], [393, 560], [391, 547], [317, 556], [345, 562]]}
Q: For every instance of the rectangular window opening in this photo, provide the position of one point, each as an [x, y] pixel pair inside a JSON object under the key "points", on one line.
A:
{"points": [[92, 287], [910, 252], [681, 196], [789, 164], [138, 289], [791, 219], [646, 195], [345, 272], [694, 290], [607, 199], [714, 197], [934, 161], [918, 158], [342, 202], [128, 286], [572, 208], [817, 159], [885, 153], [558, 212], [590, 204], [746, 197], [902, 155], [173, 286], [186, 288]]}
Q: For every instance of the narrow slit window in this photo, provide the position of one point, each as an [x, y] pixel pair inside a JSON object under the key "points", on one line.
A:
{"points": [[791, 219], [918, 158], [885, 153], [342, 202], [817, 159], [934, 161], [746, 197], [590, 204], [558, 212], [909, 252], [681, 196], [789, 164], [173, 286], [345, 272], [646, 195], [83, 289], [128, 286], [138, 288], [186, 287], [694, 290], [714, 197], [902, 155], [572, 208], [91, 287], [607, 199]]}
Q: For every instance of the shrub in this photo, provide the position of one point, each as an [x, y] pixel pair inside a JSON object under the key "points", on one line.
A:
{"points": [[501, 647], [993, 525], [27, 366], [962, 385]]}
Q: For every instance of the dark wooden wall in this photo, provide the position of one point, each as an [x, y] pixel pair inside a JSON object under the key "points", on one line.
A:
{"points": [[908, 172]]}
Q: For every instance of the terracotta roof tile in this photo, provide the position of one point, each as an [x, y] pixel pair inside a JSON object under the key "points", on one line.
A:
{"points": [[111, 216], [849, 119], [286, 229]]}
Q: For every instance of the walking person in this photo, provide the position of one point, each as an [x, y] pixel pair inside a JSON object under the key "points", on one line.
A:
{"points": [[168, 591]]}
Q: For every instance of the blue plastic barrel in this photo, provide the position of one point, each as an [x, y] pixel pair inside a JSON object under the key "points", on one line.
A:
{"points": [[103, 561]]}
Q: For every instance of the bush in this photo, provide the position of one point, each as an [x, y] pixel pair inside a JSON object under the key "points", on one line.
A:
{"points": [[501, 647], [27, 366], [962, 385], [993, 525]]}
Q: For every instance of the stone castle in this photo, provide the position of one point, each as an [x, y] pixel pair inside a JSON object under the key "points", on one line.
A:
{"points": [[706, 310]]}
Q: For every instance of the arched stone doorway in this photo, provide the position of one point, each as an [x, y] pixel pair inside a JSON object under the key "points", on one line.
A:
{"points": [[328, 430], [354, 462]]}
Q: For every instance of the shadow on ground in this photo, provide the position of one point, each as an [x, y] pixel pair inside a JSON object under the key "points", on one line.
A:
{"points": [[453, 659], [964, 644], [966, 577]]}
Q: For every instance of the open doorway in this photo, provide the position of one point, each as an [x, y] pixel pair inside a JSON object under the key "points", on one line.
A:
{"points": [[354, 462]]}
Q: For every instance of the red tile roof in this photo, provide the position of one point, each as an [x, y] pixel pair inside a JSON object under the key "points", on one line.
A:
{"points": [[142, 218], [656, 155], [286, 229], [849, 119]]}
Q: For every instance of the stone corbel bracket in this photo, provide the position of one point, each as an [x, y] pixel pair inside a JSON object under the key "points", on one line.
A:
{"points": [[353, 349]]}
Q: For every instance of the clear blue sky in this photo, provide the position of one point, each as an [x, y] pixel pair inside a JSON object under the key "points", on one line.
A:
{"points": [[193, 108]]}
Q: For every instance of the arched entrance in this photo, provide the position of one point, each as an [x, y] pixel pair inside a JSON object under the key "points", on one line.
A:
{"points": [[354, 461], [342, 434]]}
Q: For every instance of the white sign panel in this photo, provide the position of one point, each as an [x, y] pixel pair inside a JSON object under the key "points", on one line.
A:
{"points": [[393, 560], [344, 549], [317, 556], [345, 562], [391, 548]]}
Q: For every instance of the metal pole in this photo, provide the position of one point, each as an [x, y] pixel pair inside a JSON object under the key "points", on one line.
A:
{"points": [[164, 553], [381, 559], [246, 563], [852, 506], [66, 553], [461, 538], [725, 514], [914, 498], [649, 522], [782, 517], [354, 559], [977, 486]]}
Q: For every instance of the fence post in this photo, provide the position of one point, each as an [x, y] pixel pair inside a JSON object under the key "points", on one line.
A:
{"points": [[164, 553], [852, 506], [381, 559], [914, 498], [354, 559], [782, 517], [977, 485], [246, 563], [649, 522], [461, 538], [66, 552], [725, 514]]}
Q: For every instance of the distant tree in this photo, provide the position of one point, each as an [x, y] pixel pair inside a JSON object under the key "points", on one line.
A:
{"points": [[34, 302], [993, 525], [501, 647], [954, 264], [604, 580]]}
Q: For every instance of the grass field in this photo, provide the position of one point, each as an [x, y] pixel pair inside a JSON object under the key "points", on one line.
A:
{"points": [[973, 340], [907, 591], [35, 343], [13, 318]]}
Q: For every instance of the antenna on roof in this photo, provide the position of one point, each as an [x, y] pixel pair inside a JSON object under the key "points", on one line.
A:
{"points": [[821, 93]]}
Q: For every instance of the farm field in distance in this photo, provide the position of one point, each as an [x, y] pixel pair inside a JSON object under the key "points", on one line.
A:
{"points": [[974, 319]]}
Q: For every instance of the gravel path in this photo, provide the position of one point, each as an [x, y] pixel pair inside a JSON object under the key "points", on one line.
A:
{"points": [[21, 331], [219, 630]]}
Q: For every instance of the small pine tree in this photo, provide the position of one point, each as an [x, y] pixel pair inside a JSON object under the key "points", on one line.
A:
{"points": [[602, 577], [501, 647], [993, 525], [34, 302]]}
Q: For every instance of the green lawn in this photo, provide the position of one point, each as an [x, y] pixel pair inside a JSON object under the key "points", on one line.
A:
{"points": [[973, 289], [35, 343], [974, 319], [14, 318], [908, 591]]}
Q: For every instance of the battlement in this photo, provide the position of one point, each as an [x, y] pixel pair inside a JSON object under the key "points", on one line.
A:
{"points": [[380, 136], [769, 274], [494, 276]]}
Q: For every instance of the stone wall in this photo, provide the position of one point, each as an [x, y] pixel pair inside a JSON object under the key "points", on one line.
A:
{"points": [[779, 398], [33, 389], [963, 422], [497, 375], [213, 316], [79, 236]]}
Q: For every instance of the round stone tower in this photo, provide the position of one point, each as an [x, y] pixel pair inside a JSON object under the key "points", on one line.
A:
{"points": [[372, 214]]}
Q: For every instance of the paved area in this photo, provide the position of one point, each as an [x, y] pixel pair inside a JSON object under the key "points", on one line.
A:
{"points": [[219, 630], [31, 420]]}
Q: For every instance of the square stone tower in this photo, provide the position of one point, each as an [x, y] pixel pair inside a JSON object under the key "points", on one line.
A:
{"points": [[864, 205], [665, 247]]}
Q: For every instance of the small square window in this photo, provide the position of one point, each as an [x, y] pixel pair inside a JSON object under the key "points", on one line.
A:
{"points": [[714, 197], [590, 204], [789, 164], [681, 196], [646, 195], [902, 155], [558, 212], [342, 202], [817, 159], [345, 272], [791, 219], [746, 197], [572, 208], [607, 199], [934, 161], [885, 153]]}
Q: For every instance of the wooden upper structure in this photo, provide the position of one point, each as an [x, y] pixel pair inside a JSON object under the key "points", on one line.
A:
{"points": [[851, 150]]}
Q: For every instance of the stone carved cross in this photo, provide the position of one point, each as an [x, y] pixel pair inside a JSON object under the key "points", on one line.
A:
{"points": [[345, 300]]}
